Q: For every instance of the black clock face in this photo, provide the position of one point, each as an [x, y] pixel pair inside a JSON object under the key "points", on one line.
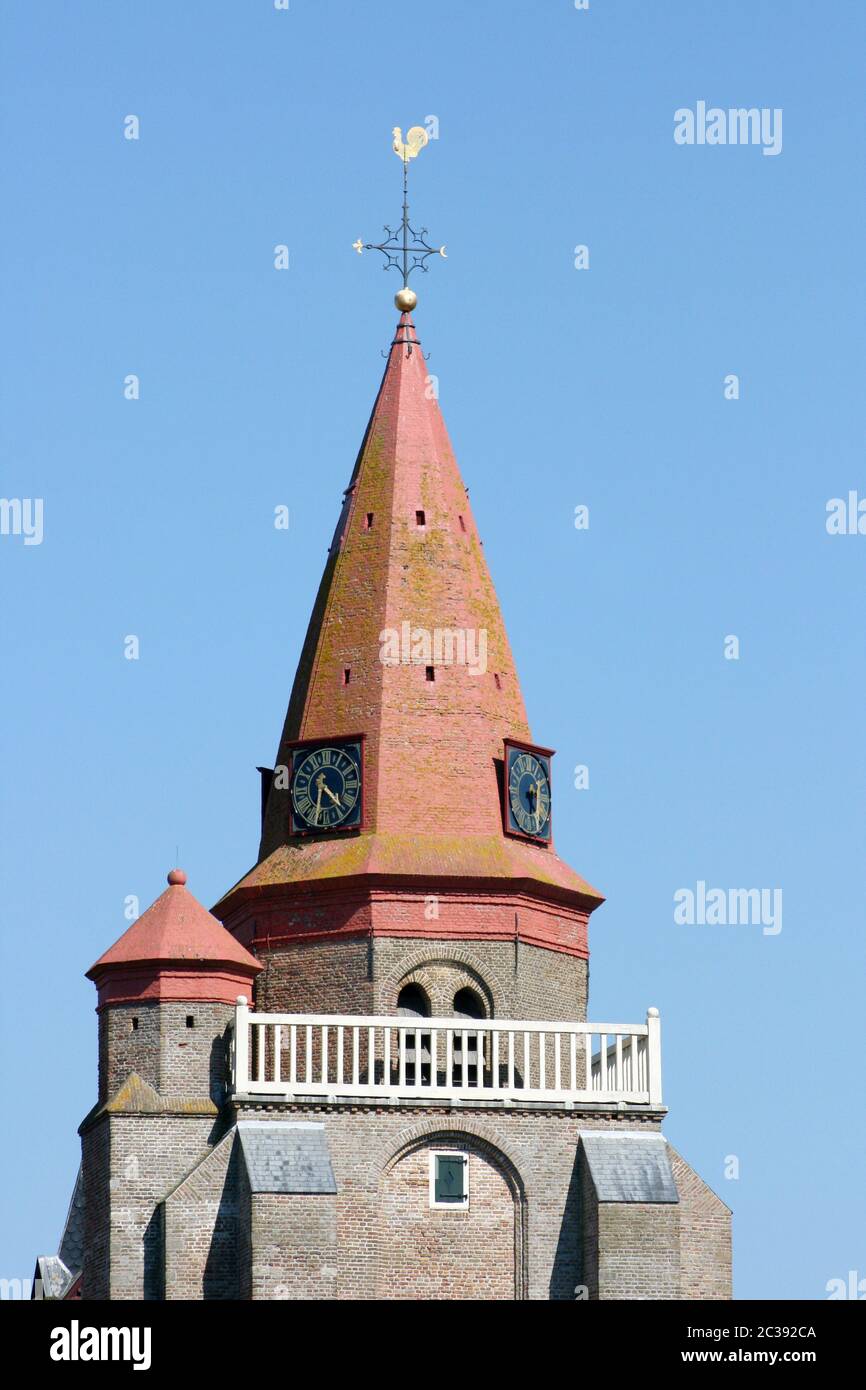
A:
{"points": [[326, 787], [527, 792]]}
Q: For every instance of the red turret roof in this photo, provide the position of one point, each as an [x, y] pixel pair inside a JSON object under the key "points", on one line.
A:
{"points": [[176, 949], [407, 551]]}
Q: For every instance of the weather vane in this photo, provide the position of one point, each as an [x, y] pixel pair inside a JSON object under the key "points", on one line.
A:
{"points": [[405, 249]]}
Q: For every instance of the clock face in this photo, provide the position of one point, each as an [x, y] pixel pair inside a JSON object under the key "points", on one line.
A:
{"points": [[527, 791], [326, 787]]}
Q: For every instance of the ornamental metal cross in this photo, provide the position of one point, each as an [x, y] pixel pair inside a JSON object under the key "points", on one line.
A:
{"points": [[405, 249]]}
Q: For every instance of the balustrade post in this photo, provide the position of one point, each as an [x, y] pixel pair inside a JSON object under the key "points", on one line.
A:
{"points": [[654, 1056], [241, 1077]]}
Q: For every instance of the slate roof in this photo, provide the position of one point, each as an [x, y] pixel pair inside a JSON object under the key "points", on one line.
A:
{"points": [[71, 1249], [57, 1273], [283, 1156], [629, 1167]]}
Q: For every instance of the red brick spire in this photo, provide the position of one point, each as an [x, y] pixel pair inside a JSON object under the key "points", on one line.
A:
{"points": [[406, 560]]}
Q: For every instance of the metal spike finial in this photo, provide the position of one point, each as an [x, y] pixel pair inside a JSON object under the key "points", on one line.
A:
{"points": [[405, 249]]}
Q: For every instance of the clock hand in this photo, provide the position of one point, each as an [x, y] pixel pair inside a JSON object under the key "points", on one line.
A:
{"points": [[320, 782], [326, 788]]}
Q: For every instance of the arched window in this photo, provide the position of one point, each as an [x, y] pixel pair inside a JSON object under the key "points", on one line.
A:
{"points": [[467, 1004], [412, 1002]]}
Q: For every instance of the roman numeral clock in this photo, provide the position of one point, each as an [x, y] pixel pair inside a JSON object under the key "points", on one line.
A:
{"points": [[526, 792], [326, 785]]}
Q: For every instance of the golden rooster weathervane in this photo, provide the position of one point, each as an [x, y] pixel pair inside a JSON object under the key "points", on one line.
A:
{"points": [[405, 249]]}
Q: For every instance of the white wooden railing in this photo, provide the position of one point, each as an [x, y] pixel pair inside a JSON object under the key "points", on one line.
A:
{"points": [[286, 1055]]}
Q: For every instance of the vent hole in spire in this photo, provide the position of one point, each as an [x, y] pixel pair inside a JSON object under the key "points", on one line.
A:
{"points": [[368, 522], [431, 673], [462, 523], [420, 518], [347, 674], [498, 681]]}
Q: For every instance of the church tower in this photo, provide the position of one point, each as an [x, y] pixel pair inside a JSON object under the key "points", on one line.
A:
{"points": [[370, 1072]]}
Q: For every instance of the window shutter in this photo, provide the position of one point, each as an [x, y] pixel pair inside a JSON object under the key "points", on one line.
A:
{"points": [[450, 1184]]}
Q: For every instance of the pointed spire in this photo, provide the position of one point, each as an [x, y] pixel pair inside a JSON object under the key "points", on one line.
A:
{"points": [[406, 563], [407, 644]]}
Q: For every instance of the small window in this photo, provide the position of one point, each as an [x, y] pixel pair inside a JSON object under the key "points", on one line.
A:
{"points": [[431, 672], [462, 523], [368, 524], [347, 674], [420, 518], [133, 1025], [190, 1021], [449, 1180]]}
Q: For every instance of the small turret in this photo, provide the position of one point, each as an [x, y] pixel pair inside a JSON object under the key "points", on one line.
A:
{"points": [[166, 994]]}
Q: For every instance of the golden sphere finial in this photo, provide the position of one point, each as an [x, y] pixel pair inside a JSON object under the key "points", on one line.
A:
{"points": [[405, 300]]}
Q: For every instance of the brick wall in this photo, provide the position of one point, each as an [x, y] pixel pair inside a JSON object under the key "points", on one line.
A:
{"points": [[316, 977], [131, 1163], [124, 1049], [520, 981], [358, 975], [294, 1252], [705, 1235], [175, 1059], [194, 1059], [638, 1250], [533, 1228], [427, 1253], [588, 1233], [535, 1150], [201, 1228]]}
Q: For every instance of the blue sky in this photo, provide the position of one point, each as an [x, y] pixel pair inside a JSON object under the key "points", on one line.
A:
{"points": [[560, 387]]}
